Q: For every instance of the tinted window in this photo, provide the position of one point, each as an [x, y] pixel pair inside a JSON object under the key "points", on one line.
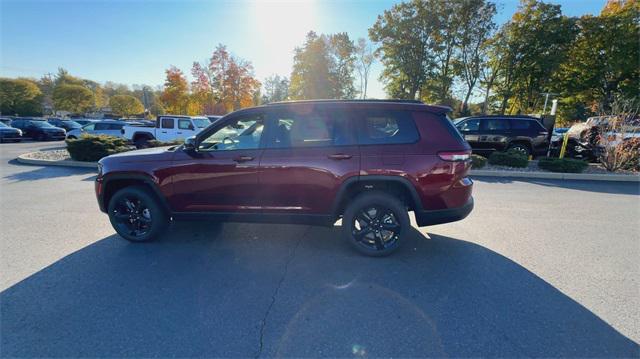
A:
{"points": [[17, 123], [469, 125], [388, 128], [115, 126], [242, 133], [496, 124], [167, 123], [101, 126], [89, 127], [184, 124], [521, 124], [310, 130]]}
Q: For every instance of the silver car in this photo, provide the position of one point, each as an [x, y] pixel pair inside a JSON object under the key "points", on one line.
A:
{"points": [[105, 127]]}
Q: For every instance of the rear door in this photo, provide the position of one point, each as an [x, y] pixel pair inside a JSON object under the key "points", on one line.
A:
{"points": [[494, 134], [309, 154]]}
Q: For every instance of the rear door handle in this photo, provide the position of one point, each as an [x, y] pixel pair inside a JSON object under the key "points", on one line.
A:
{"points": [[339, 156], [243, 158]]}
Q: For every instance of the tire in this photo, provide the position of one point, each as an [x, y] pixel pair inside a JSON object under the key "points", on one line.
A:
{"points": [[141, 142], [40, 137], [520, 147], [136, 214], [375, 223]]}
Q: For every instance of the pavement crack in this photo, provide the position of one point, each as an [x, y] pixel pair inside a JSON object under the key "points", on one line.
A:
{"points": [[263, 323]]}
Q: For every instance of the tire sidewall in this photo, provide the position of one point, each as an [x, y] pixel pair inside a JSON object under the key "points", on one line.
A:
{"points": [[158, 214], [378, 199], [523, 147]]}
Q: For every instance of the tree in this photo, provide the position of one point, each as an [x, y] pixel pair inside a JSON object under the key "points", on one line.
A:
{"points": [[602, 62], [311, 77], [64, 78], [364, 59], [175, 96], [72, 98], [276, 89], [125, 105], [342, 54], [405, 36], [535, 43], [20, 96], [476, 25]]}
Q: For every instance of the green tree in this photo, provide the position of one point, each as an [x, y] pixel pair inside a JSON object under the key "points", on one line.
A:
{"points": [[73, 98], [125, 105], [311, 77], [276, 88], [20, 96], [342, 64], [602, 62]]}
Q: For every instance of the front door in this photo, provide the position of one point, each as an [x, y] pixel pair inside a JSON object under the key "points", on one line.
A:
{"points": [[222, 175], [308, 155], [167, 130], [470, 130]]}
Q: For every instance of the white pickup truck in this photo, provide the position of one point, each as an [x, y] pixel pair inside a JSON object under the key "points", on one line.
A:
{"points": [[168, 128]]}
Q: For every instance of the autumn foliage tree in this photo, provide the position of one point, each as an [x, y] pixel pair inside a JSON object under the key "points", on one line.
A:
{"points": [[125, 105], [175, 95]]}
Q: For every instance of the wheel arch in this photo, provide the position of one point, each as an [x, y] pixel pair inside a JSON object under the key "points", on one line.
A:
{"points": [[394, 185], [114, 183]]}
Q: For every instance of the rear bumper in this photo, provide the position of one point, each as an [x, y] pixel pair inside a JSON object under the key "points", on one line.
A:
{"points": [[429, 218]]}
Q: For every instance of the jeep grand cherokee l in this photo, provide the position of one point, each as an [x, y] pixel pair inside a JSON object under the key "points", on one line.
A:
{"points": [[311, 162]]}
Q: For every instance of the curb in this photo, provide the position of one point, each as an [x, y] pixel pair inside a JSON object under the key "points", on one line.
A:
{"points": [[557, 176], [23, 158]]}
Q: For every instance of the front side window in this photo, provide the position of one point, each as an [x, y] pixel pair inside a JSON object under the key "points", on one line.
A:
{"points": [[520, 124], [101, 126], [388, 128], [89, 127], [167, 123], [310, 130], [242, 133], [184, 124]]}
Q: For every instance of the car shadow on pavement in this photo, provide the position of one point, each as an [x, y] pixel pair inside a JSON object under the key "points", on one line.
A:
{"points": [[43, 173], [609, 187], [239, 290]]}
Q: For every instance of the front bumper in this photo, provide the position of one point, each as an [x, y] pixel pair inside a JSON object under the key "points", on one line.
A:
{"points": [[429, 218]]}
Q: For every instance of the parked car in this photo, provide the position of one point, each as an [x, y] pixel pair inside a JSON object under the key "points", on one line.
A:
{"points": [[167, 128], [9, 134], [366, 162], [487, 134], [104, 127], [38, 129], [6, 120], [68, 125], [84, 121]]}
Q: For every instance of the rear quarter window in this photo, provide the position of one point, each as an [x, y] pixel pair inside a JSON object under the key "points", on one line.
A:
{"points": [[388, 127], [521, 124]]}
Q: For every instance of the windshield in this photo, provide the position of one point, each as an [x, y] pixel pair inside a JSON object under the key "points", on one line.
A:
{"points": [[41, 124], [201, 122], [2, 124], [72, 124]]}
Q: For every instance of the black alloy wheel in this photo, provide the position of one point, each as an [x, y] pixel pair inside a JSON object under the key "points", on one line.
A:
{"points": [[136, 214]]}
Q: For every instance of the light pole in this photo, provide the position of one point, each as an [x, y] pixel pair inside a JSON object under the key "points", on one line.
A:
{"points": [[546, 99]]}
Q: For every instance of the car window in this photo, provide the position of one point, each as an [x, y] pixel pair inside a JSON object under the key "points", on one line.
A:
{"points": [[184, 124], [469, 125], [495, 124], [89, 127], [518, 124], [310, 130], [388, 128], [115, 126], [167, 123], [17, 123], [241, 133], [101, 126]]}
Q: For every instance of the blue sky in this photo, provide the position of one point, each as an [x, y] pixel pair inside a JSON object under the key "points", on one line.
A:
{"points": [[133, 42]]}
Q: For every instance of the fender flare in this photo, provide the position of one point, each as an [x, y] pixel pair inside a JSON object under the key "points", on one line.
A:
{"points": [[146, 179]]}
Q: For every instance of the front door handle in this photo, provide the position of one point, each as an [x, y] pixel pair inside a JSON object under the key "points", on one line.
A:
{"points": [[339, 156], [243, 158]]}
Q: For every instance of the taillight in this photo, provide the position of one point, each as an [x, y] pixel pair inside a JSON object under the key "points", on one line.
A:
{"points": [[458, 156]]}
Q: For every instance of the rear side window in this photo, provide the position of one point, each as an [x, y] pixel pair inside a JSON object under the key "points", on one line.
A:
{"points": [[316, 129], [520, 124], [101, 126], [495, 124], [387, 128], [115, 126], [167, 123], [17, 123]]}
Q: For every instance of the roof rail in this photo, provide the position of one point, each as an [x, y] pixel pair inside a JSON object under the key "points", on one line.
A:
{"points": [[329, 100]]}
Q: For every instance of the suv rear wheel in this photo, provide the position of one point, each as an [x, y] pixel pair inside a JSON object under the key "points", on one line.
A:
{"points": [[520, 147], [375, 223], [136, 214]]}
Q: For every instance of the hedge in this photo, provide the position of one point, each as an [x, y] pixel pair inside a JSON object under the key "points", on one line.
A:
{"points": [[92, 148], [156, 143], [511, 158], [478, 161], [564, 165]]}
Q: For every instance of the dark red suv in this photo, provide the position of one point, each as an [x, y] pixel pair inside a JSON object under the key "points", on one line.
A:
{"points": [[310, 162]]}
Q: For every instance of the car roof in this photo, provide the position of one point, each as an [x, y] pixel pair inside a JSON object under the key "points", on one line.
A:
{"points": [[505, 117]]}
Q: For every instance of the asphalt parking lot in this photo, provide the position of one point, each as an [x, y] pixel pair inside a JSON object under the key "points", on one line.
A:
{"points": [[540, 268]]}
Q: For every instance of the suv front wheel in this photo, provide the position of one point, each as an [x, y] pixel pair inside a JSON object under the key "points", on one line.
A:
{"points": [[136, 214], [375, 223]]}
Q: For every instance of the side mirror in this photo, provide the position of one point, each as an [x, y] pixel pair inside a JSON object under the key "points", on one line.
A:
{"points": [[190, 143]]}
